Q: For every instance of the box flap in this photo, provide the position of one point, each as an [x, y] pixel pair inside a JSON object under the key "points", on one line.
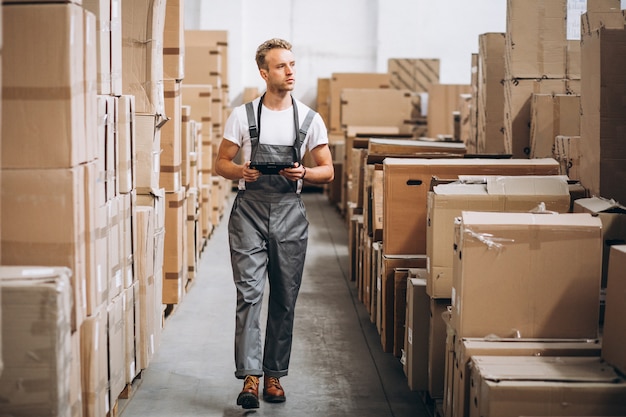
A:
{"points": [[528, 185], [600, 205]]}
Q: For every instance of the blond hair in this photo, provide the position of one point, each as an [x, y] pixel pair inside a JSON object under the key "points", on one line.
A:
{"points": [[267, 46]]}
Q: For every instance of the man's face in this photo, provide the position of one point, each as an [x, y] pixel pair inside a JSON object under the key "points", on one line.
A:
{"points": [[280, 74]]}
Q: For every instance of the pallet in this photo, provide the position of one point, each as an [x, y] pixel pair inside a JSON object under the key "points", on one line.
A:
{"points": [[125, 396]]}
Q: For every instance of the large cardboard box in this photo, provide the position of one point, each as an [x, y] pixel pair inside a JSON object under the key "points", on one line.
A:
{"points": [[613, 217], [567, 152], [437, 332], [339, 81], [187, 145], [174, 41], [379, 107], [102, 10], [417, 333], [203, 58], [174, 279], [126, 151], [497, 194], [552, 115], [148, 145], [45, 103], [536, 39], [36, 345], [500, 267], [143, 22], [380, 148], [115, 273], [414, 74], [198, 97], [406, 183], [443, 99], [514, 386], [94, 363], [43, 223], [466, 348], [603, 86], [490, 95], [614, 331], [171, 146], [116, 349]]}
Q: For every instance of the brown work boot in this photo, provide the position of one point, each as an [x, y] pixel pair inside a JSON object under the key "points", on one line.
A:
{"points": [[249, 395], [272, 390]]}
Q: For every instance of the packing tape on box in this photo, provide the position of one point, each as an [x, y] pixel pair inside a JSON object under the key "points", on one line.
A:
{"points": [[488, 239], [43, 93]]}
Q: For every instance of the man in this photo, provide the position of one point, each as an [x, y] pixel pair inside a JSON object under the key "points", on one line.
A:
{"points": [[268, 226]]}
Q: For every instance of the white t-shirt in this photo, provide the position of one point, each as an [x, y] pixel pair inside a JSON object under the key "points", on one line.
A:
{"points": [[273, 129]]}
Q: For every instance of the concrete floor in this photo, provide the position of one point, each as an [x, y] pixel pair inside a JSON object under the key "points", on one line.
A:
{"points": [[337, 364]]}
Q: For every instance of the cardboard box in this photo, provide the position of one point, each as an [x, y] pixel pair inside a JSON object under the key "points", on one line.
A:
{"points": [[116, 349], [613, 217], [115, 273], [437, 347], [128, 314], [490, 94], [414, 74], [339, 81], [148, 145], [128, 235], [198, 97], [614, 327], [466, 348], [102, 10], [602, 163], [36, 312], [443, 99], [536, 39], [497, 194], [187, 146], [171, 155], [43, 223], [400, 278], [174, 41], [94, 363], [551, 116], [143, 23], [379, 107], [406, 184], [110, 149], [46, 105], [417, 333], [387, 295], [203, 58], [116, 48], [567, 152], [506, 257], [175, 215], [514, 386], [126, 152], [380, 148]]}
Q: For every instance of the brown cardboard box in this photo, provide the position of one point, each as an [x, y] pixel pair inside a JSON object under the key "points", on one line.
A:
{"points": [[490, 95], [130, 354], [406, 184], [199, 98], [377, 204], [187, 145], [443, 99], [400, 278], [387, 294], [417, 332], [116, 48], [497, 194], [175, 215], [379, 107], [128, 233], [102, 11], [97, 285], [381, 148], [142, 53], [116, 349], [203, 58], [377, 266], [43, 223], [514, 386], [339, 81], [116, 267], [192, 225], [536, 39], [148, 145], [614, 329], [552, 115], [613, 217], [567, 152], [36, 341], [466, 348], [126, 158], [111, 148], [171, 155], [174, 41], [500, 267], [437, 346], [45, 104], [94, 363], [602, 154], [414, 74]]}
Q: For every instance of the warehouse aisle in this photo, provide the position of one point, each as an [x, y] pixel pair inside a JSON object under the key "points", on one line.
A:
{"points": [[337, 364]]}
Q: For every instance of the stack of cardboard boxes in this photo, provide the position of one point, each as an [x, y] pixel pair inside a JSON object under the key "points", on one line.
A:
{"points": [[99, 183]]}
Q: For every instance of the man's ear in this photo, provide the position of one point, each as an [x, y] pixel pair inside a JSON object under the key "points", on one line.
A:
{"points": [[263, 73]]}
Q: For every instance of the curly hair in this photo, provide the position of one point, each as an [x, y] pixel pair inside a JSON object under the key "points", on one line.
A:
{"points": [[268, 45]]}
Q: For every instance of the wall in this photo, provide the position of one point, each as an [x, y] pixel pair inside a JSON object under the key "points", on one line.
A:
{"points": [[349, 35]]}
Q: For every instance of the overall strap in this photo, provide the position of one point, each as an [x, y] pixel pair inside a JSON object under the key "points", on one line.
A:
{"points": [[302, 131], [254, 132]]}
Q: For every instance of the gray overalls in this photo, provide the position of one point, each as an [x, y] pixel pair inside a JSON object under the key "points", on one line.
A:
{"points": [[268, 233]]}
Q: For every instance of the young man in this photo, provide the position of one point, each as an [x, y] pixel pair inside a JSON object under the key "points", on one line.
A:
{"points": [[268, 225]]}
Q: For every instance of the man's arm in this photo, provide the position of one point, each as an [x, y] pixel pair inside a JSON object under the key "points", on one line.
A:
{"points": [[227, 168], [324, 172]]}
